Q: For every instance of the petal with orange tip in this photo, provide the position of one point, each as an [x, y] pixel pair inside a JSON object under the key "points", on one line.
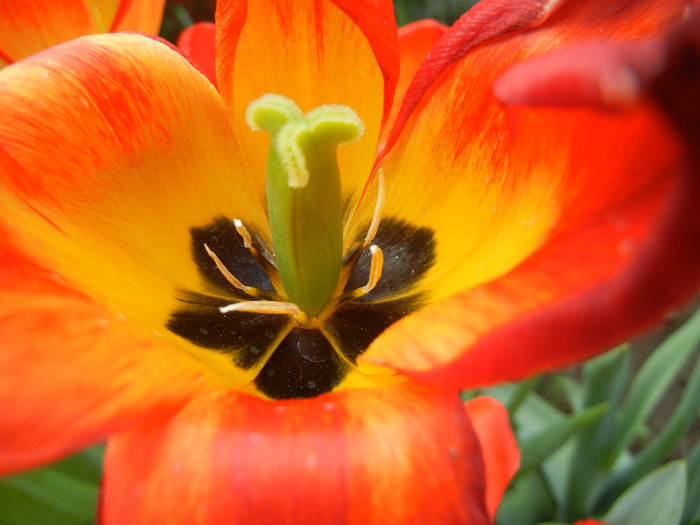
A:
{"points": [[401, 454], [492, 188]]}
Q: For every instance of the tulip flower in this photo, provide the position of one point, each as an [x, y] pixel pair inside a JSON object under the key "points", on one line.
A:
{"points": [[29, 27], [266, 296]]}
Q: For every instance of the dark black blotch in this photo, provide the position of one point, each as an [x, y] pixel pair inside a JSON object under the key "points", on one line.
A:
{"points": [[354, 325], [409, 252], [246, 336], [224, 240], [303, 365]]}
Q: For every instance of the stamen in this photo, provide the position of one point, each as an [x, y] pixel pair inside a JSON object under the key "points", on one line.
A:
{"points": [[262, 258], [378, 207], [249, 290], [229, 276], [375, 268], [375, 273], [267, 307], [243, 232], [349, 264]]}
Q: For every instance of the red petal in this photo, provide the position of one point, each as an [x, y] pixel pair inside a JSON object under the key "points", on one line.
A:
{"points": [[624, 250], [498, 446], [197, 43], [399, 455], [486, 21]]}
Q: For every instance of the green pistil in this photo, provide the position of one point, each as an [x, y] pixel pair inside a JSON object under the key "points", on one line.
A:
{"points": [[303, 193]]}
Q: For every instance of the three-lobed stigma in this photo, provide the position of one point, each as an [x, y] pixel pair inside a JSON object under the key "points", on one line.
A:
{"points": [[304, 193]]}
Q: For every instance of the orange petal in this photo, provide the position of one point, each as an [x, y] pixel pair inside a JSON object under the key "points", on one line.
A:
{"points": [[151, 157], [621, 254], [313, 52], [498, 446], [73, 370], [402, 454], [197, 43], [28, 27], [139, 15]]}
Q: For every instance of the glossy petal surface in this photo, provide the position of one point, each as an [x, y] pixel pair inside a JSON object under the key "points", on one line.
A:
{"points": [[401, 454]]}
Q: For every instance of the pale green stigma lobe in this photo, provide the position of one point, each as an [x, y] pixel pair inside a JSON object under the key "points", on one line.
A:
{"points": [[303, 193]]}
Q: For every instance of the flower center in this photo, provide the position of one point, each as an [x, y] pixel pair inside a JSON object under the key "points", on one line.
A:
{"points": [[296, 321]]}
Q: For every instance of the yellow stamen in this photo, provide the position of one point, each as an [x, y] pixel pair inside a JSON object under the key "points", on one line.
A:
{"points": [[378, 207], [249, 290], [229, 276], [375, 268], [375, 273], [369, 237], [243, 232], [267, 307]]}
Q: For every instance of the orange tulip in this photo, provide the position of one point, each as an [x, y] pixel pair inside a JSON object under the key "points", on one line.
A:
{"points": [[28, 27], [141, 301]]}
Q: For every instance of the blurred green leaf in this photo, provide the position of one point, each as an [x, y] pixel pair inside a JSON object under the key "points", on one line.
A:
{"points": [[682, 418], [528, 501], [446, 11], [692, 506], [64, 493], [650, 384], [654, 500], [605, 380], [542, 445]]}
